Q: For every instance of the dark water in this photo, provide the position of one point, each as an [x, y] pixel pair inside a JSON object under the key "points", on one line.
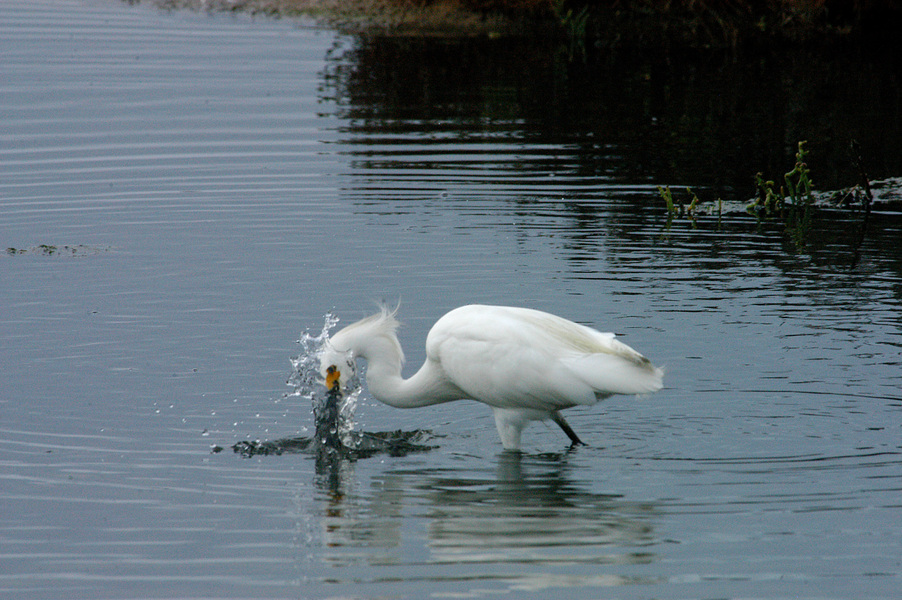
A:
{"points": [[183, 195]]}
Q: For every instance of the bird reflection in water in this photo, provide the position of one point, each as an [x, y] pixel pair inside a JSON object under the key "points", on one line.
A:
{"points": [[524, 524]]}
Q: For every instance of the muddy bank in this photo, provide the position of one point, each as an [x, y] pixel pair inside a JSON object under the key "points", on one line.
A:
{"points": [[443, 17], [701, 23]]}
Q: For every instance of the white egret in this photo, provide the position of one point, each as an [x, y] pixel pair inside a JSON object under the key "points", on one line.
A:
{"points": [[526, 364]]}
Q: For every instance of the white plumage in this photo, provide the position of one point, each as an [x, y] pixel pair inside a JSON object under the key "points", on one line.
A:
{"points": [[526, 364]]}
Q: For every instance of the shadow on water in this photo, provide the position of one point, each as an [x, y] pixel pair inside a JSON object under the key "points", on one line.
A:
{"points": [[333, 461], [330, 442], [366, 444]]}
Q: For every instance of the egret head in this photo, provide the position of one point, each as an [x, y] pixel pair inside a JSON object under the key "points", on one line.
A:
{"points": [[370, 339], [337, 368]]}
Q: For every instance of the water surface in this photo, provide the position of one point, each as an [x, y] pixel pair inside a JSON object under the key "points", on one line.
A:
{"points": [[183, 195]]}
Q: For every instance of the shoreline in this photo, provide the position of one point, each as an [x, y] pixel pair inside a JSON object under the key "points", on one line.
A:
{"points": [[689, 23]]}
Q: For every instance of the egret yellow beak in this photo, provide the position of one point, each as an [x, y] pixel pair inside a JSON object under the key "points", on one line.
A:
{"points": [[333, 375]]}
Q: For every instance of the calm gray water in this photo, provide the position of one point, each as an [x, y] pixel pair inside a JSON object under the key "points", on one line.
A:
{"points": [[183, 195]]}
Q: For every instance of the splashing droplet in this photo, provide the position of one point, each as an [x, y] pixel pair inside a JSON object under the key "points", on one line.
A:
{"points": [[333, 411], [334, 438]]}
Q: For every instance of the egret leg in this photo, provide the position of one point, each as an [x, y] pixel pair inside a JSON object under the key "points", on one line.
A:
{"points": [[510, 424], [557, 418]]}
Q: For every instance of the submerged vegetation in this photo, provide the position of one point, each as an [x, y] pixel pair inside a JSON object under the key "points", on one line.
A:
{"points": [[601, 23]]}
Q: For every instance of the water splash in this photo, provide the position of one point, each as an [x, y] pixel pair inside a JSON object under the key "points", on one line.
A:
{"points": [[333, 410], [335, 437]]}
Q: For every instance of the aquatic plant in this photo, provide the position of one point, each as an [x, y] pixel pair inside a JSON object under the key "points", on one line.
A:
{"points": [[867, 200], [676, 208], [769, 200], [794, 204], [574, 24], [798, 184]]}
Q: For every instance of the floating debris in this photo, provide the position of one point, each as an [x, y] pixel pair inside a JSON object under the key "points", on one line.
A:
{"points": [[52, 250]]}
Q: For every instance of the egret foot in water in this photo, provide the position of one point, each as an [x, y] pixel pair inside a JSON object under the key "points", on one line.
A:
{"points": [[563, 424]]}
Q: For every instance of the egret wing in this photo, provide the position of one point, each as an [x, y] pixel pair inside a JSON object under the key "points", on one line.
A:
{"points": [[498, 357], [523, 358]]}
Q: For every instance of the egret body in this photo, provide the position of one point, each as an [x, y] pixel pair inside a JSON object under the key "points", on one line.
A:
{"points": [[525, 364]]}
